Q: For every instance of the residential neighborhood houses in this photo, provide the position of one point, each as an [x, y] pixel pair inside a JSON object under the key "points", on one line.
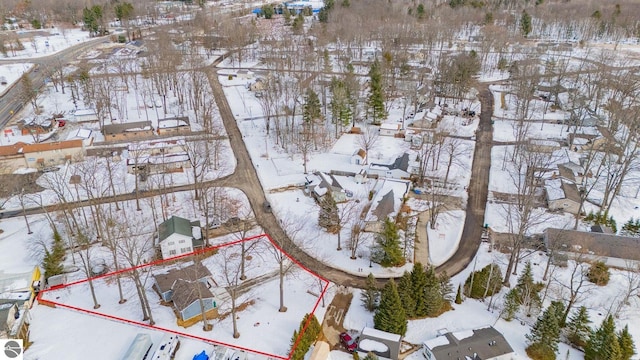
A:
{"points": [[315, 179]]}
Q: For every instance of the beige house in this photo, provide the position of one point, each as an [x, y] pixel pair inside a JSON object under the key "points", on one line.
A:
{"points": [[11, 158], [562, 195], [53, 153], [176, 125], [128, 131]]}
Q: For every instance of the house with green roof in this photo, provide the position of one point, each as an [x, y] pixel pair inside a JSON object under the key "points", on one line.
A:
{"points": [[178, 236]]}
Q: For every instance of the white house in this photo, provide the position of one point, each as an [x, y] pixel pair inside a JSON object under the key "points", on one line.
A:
{"points": [[178, 236], [359, 157], [401, 168], [486, 343], [390, 129]]}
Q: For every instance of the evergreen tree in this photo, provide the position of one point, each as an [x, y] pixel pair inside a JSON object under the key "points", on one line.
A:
{"points": [[387, 251], [627, 347], [390, 316], [370, 295], [433, 294], [405, 290], [603, 343], [525, 23], [528, 290], [328, 217], [446, 288], [52, 262], [479, 288], [544, 336], [306, 336], [371, 356], [312, 110], [459, 295], [558, 308], [341, 112], [419, 284], [376, 100], [599, 273], [511, 305], [298, 23], [267, 11], [578, 329]]}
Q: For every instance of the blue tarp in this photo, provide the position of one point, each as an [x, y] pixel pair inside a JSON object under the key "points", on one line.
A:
{"points": [[201, 356]]}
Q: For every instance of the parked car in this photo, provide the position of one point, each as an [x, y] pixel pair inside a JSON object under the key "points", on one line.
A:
{"points": [[266, 206], [62, 123], [348, 342]]}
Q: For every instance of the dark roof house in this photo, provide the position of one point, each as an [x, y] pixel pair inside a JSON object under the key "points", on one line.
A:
{"points": [[594, 244], [486, 344], [164, 282]]}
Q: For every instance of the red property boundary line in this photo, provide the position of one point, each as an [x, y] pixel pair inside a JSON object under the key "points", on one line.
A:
{"points": [[153, 327]]}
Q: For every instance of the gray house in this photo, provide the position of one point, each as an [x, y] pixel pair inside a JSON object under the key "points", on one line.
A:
{"points": [[486, 344], [186, 286], [186, 298], [163, 283]]}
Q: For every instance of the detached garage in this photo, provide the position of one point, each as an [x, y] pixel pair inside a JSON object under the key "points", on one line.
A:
{"points": [[385, 345]]}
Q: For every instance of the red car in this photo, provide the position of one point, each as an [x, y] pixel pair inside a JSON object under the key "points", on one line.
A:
{"points": [[61, 123], [349, 343]]}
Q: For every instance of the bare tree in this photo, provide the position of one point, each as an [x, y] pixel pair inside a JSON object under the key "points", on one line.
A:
{"points": [[632, 287], [367, 140], [82, 241], [134, 248], [230, 266], [574, 289]]}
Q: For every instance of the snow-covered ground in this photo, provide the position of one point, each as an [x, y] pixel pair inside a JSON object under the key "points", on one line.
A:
{"points": [[445, 238]]}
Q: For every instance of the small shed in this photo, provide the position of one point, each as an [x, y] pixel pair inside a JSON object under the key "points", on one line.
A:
{"points": [[390, 129], [359, 157], [362, 177]]}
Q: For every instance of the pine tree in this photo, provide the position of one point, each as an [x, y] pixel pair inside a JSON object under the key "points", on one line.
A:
{"points": [[390, 316], [419, 287], [578, 329], [387, 251], [433, 294], [459, 295], [370, 295], [544, 336], [307, 338], [446, 288], [627, 347], [371, 356], [312, 110], [525, 23], [328, 215], [603, 343], [52, 262], [558, 308], [528, 290], [376, 100], [511, 305], [405, 290], [479, 288]]}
